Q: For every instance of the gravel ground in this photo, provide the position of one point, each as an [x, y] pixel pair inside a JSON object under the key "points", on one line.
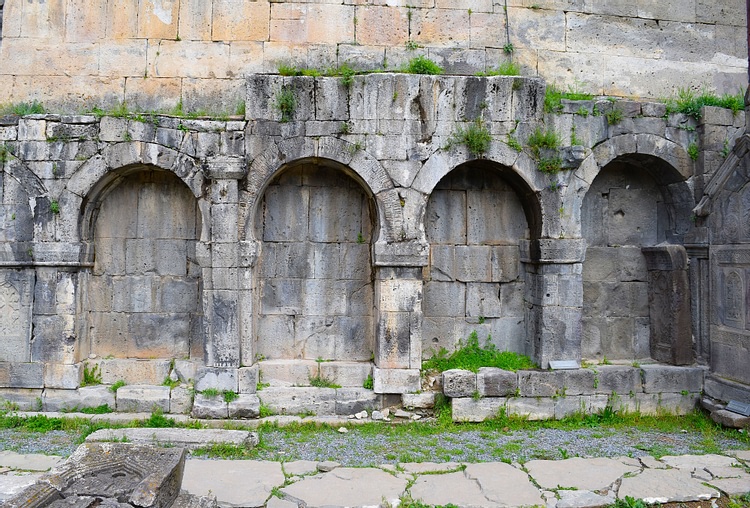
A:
{"points": [[361, 447]]}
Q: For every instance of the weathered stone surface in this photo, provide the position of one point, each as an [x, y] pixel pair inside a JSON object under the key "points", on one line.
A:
{"points": [[395, 380], [459, 383], [494, 382], [468, 409], [296, 400], [450, 488], [665, 378], [244, 406], [665, 486], [423, 400], [209, 407], [579, 473], [187, 438], [85, 397], [730, 419], [348, 487], [143, 398], [28, 462], [503, 484], [353, 400]]}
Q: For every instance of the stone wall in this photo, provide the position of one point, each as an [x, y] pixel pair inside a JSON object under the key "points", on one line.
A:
{"points": [[158, 54], [356, 227]]}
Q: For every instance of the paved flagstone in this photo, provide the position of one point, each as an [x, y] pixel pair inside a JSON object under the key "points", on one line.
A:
{"points": [[693, 462], [665, 486], [578, 473], [451, 488], [504, 484], [29, 461], [347, 486], [232, 482]]}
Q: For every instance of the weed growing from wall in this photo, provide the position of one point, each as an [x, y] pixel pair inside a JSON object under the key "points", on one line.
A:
{"points": [[553, 97], [504, 69], [22, 109], [422, 65], [540, 140], [693, 151], [286, 103], [690, 104], [91, 376], [476, 137], [613, 116]]}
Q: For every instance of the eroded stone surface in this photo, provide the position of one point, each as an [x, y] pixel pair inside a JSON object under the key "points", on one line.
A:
{"points": [[233, 482], [348, 487], [504, 484], [665, 486], [580, 473]]}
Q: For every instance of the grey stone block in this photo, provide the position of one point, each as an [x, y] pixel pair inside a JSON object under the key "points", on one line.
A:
{"points": [[62, 376], [245, 406], [133, 372], [533, 383], [667, 378], [494, 382], [85, 397], [346, 374], [247, 379], [477, 410], [296, 400], [444, 299], [395, 380], [353, 400], [180, 400], [222, 379], [142, 398], [730, 419], [618, 379], [424, 400], [577, 382], [209, 407], [532, 408], [21, 375], [459, 383]]}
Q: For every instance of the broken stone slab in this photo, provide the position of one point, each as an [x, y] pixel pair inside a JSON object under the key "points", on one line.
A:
{"points": [[140, 475], [665, 486], [693, 462], [346, 486], [733, 486], [425, 400], [504, 484], [429, 467], [187, 438], [450, 488], [582, 474], [731, 419], [584, 499], [188, 500], [233, 482], [300, 467]]}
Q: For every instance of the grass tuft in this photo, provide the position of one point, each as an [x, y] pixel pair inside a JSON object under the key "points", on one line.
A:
{"points": [[422, 65], [476, 137], [687, 102], [471, 356], [553, 97]]}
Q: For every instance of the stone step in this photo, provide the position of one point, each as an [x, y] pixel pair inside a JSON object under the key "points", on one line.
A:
{"points": [[186, 438], [280, 373]]}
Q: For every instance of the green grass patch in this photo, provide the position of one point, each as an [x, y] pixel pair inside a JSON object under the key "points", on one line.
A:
{"points": [[91, 375], [471, 356], [224, 451], [422, 65], [286, 103], [539, 140], [22, 108], [686, 101], [322, 382], [117, 385], [476, 137], [504, 69], [553, 97]]}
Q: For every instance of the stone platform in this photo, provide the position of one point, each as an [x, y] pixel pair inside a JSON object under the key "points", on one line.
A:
{"points": [[570, 483]]}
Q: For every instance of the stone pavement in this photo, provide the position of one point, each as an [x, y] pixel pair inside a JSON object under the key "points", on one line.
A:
{"points": [[570, 483]]}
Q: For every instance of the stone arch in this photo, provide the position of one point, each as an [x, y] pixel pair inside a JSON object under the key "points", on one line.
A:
{"points": [[265, 166], [144, 290], [315, 221], [98, 173], [478, 219], [633, 199]]}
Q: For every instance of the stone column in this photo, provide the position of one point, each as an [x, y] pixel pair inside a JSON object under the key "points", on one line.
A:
{"points": [[220, 263], [555, 298], [669, 304], [398, 334]]}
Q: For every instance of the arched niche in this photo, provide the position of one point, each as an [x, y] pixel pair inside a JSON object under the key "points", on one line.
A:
{"points": [[635, 201], [314, 278], [143, 297], [477, 218]]}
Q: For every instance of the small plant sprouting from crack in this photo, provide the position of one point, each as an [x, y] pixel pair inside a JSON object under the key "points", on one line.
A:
{"points": [[286, 103], [476, 137]]}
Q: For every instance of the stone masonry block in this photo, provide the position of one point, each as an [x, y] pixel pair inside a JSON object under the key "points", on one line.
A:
{"points": [[297, 400], [618, 379], [180, 400], [58, 375], [209, 407], [468, 409], [244, 406], [88, 396], [532, 408], [546, 383], [396, 380], [346, 374], [667, 378], [287, 372], [353, 400], [133, 372], [248, 378], [459, 383], [21, 375], [577, 382], [494, 382], [218, 378], [424, 400], [142, 398]]}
